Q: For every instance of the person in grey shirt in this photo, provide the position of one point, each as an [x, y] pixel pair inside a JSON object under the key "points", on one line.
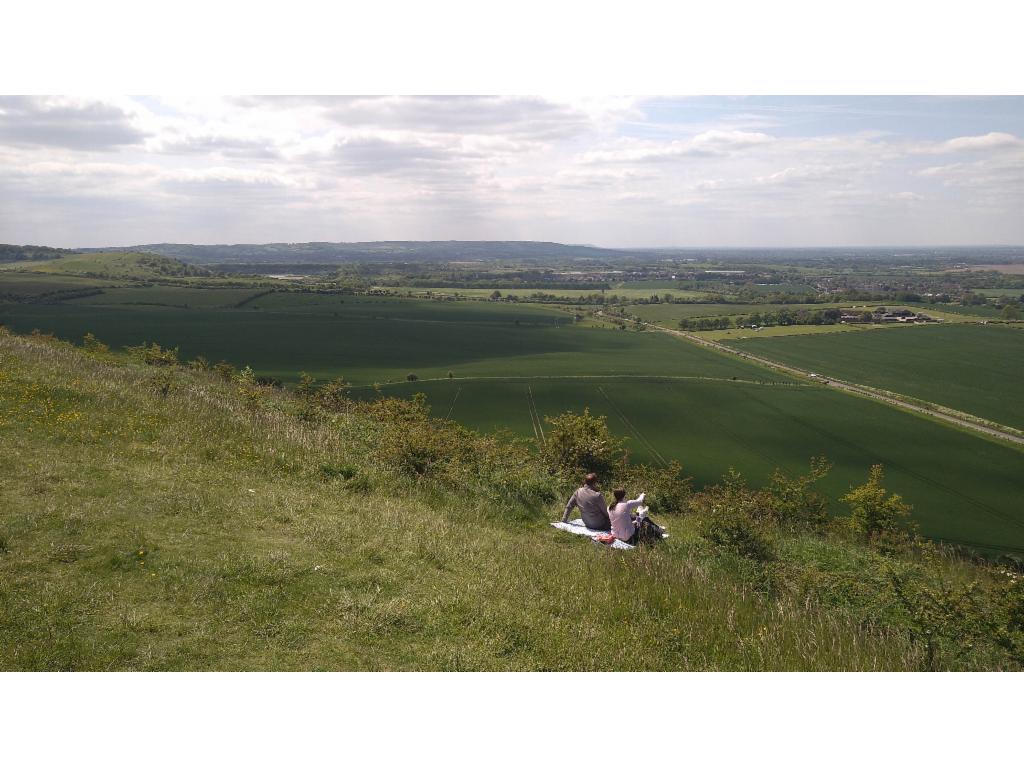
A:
{"points": [[593, 507]]}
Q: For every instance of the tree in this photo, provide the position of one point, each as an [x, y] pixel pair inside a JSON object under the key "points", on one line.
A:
{"points": [[873, 515], [411, 377], [495, 295]]}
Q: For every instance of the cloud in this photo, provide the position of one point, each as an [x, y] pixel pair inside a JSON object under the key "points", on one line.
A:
{"points": [[521, 117], [223, 145], [988, 142], [712, 143], [71, 124]]}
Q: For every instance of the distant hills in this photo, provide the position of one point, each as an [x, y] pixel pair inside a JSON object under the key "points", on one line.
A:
{"points": [[283, 255], [385, 250], [116, 264]]}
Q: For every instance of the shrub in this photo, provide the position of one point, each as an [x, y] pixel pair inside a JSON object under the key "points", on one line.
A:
{"points": [[333, 396], [794, 503], [199, 364], [154, 354], [940, 615], [93, 346], [163, 382], [873, 516], [668, 491], [306, 385], [735, 529], [248, 388], [411, 377], [578, 443], [225, 370]]}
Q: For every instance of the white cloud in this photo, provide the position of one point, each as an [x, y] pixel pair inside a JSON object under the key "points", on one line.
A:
{"points": [[619, 171]]}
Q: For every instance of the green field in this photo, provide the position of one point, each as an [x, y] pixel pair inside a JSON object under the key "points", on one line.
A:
{"points": [[972, 368], [171, 296], [375, 339], [671, 314], [28, 285], [965, 489], [735, 334]]}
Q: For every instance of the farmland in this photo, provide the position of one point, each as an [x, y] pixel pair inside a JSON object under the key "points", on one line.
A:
{"points": [[513, 363], [971, 368], [379, 339]]}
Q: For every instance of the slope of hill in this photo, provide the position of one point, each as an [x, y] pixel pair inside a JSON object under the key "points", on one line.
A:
{"points": [[158, 516], [118, 264], [30, 252]]}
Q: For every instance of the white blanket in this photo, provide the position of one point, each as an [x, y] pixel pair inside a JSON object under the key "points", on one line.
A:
{"points": [[577, 527]]}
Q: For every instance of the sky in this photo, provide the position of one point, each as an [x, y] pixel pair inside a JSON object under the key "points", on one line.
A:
{"points": [[615, 172]]}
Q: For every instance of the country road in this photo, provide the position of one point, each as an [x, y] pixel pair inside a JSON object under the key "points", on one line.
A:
{"points": [[858, 389]]}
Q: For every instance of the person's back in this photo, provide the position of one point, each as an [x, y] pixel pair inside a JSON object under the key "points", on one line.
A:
{"points": [[620, 513], [593, 507]]}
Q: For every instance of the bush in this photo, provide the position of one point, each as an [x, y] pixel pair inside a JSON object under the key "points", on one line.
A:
{"points": [[794, 503], [248, 389], [225, 370], [668, 491], [154, 354], [874, 517], [735, 517], [163, 382], [735, 529], [333, 396], [93, 346], [199, 364], [578, 443]]}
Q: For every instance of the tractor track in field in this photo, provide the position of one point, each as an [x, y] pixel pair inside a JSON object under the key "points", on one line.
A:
{"points": [[632, 428], [598, 377], [932, 409], [538, 425], [452, 406]]}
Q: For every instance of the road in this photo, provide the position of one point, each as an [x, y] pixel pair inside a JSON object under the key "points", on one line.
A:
{"points": [[858, 389]]}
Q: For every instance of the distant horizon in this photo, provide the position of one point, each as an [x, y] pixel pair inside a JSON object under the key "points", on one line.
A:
{"points": [[225, 244]]}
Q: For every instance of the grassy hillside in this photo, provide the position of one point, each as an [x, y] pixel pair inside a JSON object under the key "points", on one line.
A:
{"points": [[155, 517], [117, 264]]}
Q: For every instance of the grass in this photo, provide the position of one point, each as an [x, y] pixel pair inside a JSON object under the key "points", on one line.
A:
{"points": [[965, 489], [189, 532], [971, 368]]}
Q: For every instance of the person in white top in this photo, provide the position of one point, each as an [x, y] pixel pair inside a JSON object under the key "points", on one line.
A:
{"points": [[624, 522]]}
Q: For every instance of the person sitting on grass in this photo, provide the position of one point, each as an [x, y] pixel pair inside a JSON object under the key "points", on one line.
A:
{"points": [[593, 507], [626, 526]]}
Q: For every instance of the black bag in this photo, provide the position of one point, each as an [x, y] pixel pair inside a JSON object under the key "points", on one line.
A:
{"points": [[647, 531]]}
